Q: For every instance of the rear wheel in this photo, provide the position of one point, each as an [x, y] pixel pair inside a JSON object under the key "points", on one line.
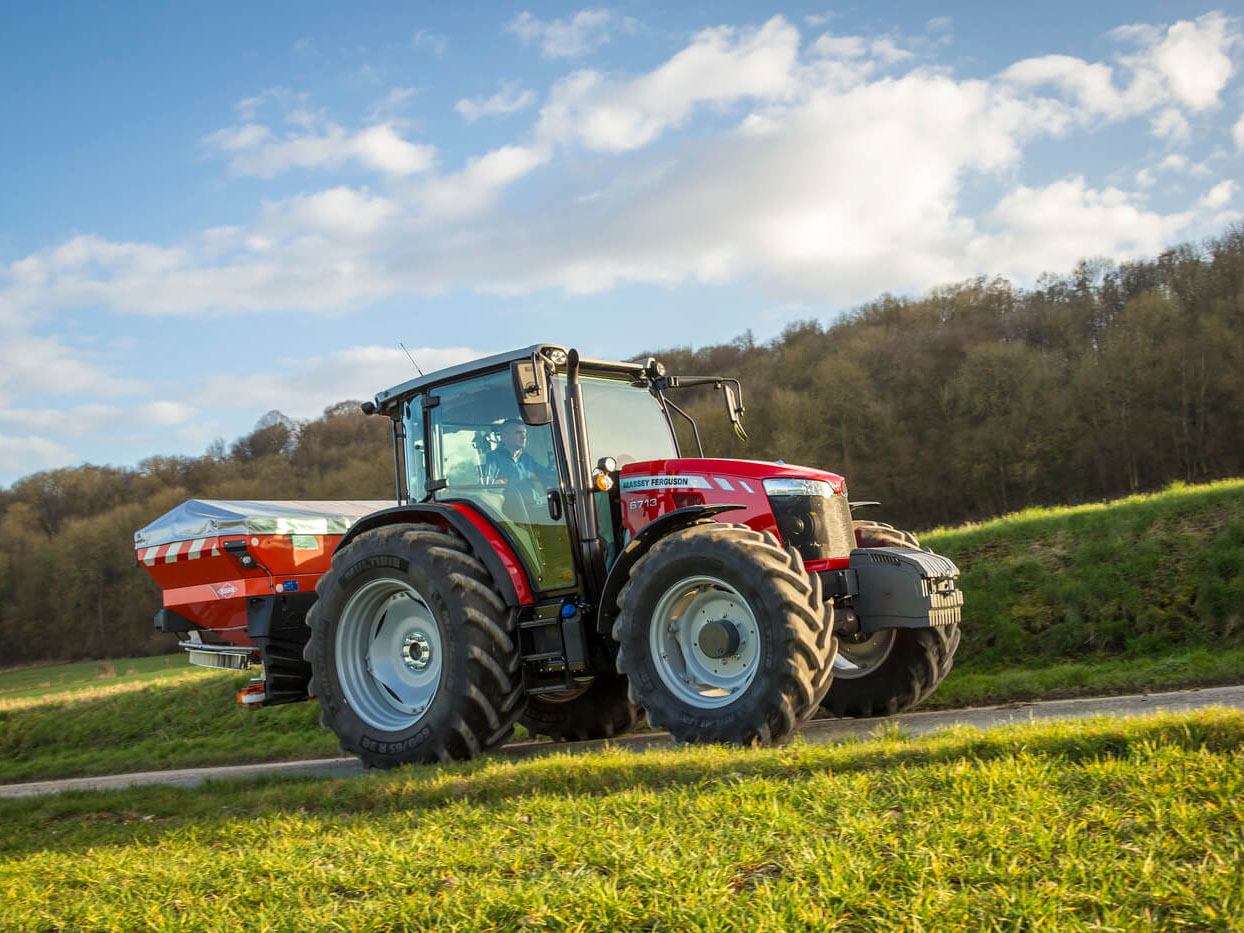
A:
{"points": [[412, 651], [599, 711], [724, 636], [892, 670]]}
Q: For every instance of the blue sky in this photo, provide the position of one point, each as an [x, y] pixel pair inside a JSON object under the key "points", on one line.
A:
{"points": [[208, 213]]}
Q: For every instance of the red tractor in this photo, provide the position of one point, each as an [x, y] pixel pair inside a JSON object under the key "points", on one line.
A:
{"points": [[553, 560]]}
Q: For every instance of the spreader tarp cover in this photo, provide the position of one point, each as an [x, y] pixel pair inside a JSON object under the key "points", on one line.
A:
{"points": [[206, 518]]}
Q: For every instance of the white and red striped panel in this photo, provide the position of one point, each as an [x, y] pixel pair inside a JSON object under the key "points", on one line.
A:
{"points": [[179, 550]]}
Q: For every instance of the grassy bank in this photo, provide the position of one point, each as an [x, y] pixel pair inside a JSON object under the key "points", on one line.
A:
{"points": [[1138, 595], [1117, 824], [1138, 577]]}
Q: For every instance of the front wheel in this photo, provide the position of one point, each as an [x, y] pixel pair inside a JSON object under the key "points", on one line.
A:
{"points": [[412, 649], [724, 637]]}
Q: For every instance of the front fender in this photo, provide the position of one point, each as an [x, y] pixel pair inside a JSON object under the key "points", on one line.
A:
{"points": [[636, 548], [489, 543]]}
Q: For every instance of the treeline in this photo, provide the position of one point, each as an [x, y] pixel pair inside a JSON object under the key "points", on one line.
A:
{"points": [[976, 399]]}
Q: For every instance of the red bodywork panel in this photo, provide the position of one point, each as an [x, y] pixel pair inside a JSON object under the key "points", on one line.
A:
{"points": [[508, 559], [651, 488]]}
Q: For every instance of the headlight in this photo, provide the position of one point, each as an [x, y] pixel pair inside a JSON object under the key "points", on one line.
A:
{"points": [[794, 486]]}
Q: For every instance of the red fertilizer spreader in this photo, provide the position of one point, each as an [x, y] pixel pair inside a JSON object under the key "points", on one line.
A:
{"points": [[238, 577]]}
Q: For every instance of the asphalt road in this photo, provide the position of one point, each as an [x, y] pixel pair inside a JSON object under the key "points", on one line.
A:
{"points": [[821, 730]]}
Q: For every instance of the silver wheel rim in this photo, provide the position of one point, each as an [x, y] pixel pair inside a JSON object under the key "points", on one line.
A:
{"points": [[389, 654], [860, 658], [693, 676]]}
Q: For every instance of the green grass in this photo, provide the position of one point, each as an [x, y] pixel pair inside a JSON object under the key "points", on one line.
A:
{"points": [[1192, 667], [1115, 824], [185, 719], [41, 680], [1143, 576]]}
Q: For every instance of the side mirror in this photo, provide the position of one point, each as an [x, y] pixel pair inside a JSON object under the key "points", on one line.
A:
{"points": [[734, 409], [531, 391]]}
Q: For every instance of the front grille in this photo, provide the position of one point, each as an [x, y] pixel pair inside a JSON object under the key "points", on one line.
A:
{"points": [[819, 527]]}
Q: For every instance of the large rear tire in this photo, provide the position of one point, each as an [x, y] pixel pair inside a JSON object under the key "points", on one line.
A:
{"points": [[600, 711], [724, 637], [412, 650], [893, 670]]}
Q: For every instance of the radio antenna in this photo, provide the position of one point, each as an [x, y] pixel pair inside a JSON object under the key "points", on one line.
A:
{"points": [[411, 358]]}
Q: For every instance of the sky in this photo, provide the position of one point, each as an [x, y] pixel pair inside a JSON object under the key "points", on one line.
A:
{"points": [[209, 212]]}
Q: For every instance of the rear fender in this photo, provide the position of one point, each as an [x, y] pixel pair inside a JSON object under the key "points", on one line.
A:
{"points": [[489, 543], [654, 531]]}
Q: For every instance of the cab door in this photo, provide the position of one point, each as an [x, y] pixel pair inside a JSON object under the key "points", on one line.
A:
{"points": [[475, 452]]}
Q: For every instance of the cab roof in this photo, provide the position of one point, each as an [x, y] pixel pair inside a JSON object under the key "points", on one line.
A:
{"points": [[390, 396]]}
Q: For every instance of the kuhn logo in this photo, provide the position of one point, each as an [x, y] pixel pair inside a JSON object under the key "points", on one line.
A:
{"points": [[632, 483], [225, 591]]}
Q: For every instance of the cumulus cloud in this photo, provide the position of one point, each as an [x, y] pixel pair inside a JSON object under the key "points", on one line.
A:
{"points": [[1048, 229], [575, 37], [719, 67], [1170, 70], [39, 366], [20, 455], [254, 149], [1237, 133], [1218, 196], [509, 99]]}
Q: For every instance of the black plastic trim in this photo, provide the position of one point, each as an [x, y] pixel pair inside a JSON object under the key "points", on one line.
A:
{"points": [[166, 620]]}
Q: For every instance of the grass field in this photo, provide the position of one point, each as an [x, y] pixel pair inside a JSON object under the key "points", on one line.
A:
{"points": [[1142, 594], [1114, 824]]}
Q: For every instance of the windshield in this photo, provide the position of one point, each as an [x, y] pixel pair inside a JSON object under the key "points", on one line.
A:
{"points": [[624, 421]]}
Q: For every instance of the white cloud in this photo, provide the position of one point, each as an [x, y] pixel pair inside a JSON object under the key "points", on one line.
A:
{"points": [[1171, 125], [341, 212], [253, 149], [509, 99], [304, 387], [478, 183], [1237, 133], [1174, 71], [720, 67], [1049, 229], [1218, 196], [1193, 61], [26, 454], [584, 32], [40, 367]]}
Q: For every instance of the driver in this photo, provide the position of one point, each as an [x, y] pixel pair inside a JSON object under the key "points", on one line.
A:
{"points": [[510, 463]]}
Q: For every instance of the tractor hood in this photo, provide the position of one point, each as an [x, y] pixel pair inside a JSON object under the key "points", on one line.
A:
{"points": [[690, 473], [817, 523]]}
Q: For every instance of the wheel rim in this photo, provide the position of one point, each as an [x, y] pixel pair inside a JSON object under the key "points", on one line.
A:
{"points": [[694, 673], [860, 658], [389, 654]]}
